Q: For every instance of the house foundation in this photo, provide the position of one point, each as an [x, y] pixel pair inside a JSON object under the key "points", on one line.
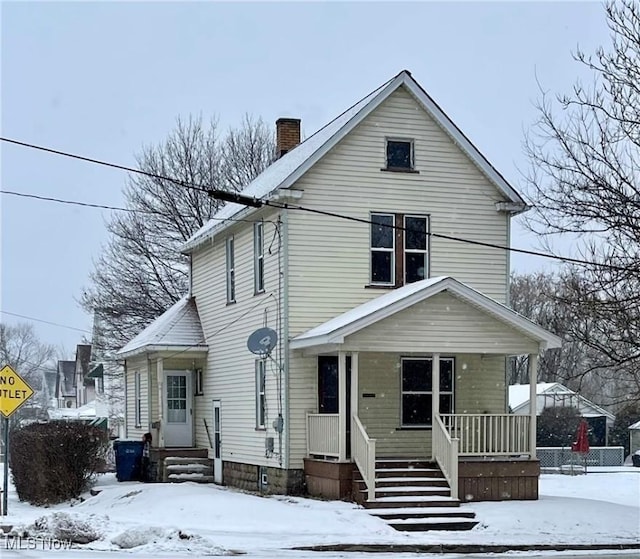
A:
{"points": [[265, 479]]}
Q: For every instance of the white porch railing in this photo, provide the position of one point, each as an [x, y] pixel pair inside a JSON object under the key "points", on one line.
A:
{"points": [[364, 455], [323, 434], [489, 435], [445, 453]]}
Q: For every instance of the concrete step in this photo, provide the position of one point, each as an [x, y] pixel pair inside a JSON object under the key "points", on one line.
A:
{"points": [[421, 512], [175, 460], [428, 524], [193, 477]]}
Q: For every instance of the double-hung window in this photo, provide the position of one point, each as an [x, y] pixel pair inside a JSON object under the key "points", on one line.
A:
{"points": [[258, 257], [417, 390], [231, 273], [382, 249], [137, 398], [261, 403], [399, 249]]}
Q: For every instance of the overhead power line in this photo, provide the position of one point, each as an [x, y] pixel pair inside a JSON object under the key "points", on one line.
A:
{"points": [[45, 321], [226, 196]]}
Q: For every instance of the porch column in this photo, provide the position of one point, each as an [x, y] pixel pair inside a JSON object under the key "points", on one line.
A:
{"points": [[533, 402], [160, 380], [354, 395], [435, 387], [342, 406]]}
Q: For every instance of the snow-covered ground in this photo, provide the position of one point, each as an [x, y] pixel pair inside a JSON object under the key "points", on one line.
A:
{"points": [[600, 507]]}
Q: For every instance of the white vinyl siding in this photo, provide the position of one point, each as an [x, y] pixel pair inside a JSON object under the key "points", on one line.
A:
{"points": [[230, 367]]}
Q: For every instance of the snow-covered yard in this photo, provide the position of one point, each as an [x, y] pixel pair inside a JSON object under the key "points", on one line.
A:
{"points": [[600, 507]]}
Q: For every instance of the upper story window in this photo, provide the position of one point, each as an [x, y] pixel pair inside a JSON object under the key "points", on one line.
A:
{"points": [[399, 155], [399, 249], [231, 273], [258, 257]]}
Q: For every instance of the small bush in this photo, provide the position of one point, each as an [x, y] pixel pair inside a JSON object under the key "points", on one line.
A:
{"points": [[557, 426], [56, 461]]}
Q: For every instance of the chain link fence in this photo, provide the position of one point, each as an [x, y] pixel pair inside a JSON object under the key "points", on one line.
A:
{"points": [[554, 457]]}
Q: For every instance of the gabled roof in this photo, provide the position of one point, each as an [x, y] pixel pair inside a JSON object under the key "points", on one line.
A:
{"points": [[178, 329], [635, 426], [519, 397], [65, 379], [354, 320], [290, 167]]}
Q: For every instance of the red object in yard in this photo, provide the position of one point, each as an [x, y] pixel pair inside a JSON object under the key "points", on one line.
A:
{"points": [[581, 443]]}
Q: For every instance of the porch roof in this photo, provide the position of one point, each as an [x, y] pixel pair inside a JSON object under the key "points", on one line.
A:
{"points": [[178, 329], [335, 330]]}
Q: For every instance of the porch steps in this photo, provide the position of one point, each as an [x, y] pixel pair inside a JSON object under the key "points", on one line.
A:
{"points": [[412, 495], [179, 469]]}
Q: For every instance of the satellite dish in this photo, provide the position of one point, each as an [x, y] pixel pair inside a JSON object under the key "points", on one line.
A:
{"points": [[262, 341]]}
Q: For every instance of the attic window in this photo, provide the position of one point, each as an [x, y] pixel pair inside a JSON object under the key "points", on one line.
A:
{"points": [[399, 155]]}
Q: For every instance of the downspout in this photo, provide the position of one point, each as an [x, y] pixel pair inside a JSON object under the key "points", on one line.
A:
{"points": [[285, 335]]}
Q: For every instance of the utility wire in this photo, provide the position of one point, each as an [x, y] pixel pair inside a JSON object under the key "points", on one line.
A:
{"points": [[114, 208], [226, 196], [45, 321]]}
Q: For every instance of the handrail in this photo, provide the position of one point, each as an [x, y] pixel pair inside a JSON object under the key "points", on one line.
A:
{"points": [[445, 453], [323, 434], [364, 455], [499, 434]]}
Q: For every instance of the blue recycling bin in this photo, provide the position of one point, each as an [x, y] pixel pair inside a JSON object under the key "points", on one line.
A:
{"points": [[128, 459]]}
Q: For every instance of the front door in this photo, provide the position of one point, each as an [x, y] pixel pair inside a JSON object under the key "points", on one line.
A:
{"points": [[328, 388], [217, 448], [178, 424]]}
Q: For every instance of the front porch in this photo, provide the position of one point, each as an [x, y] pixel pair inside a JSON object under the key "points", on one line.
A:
{"points": [[420, 375]]}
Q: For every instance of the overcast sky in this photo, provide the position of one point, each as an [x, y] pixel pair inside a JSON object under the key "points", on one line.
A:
{"points": [[104, 79]]}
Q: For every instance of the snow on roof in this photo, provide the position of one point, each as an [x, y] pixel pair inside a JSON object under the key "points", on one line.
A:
{"points": [[519, 393], [178, 327], [519, 396], [95, 408], [285, 171], [334, 330], [636, 425]]}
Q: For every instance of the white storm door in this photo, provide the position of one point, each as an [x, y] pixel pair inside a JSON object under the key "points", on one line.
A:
{"points": [[178, 423], [217, 443]]}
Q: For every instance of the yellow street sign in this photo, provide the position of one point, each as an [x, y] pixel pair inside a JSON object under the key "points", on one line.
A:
{"points": [[14, 391]]}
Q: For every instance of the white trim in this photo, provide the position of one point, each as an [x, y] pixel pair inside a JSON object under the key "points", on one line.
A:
{"points": [[230, 269], [335, 330], [425, 251], [291, 174], [200, 348], [258, 257], [392, 250], [137, 400]]}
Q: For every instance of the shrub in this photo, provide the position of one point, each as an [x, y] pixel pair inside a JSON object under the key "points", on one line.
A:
{"points": [[56, 461], [557, 426]]}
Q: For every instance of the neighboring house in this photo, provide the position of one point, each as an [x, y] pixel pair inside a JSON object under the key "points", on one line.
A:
{"points": [[85, 385], [554, 394], [393, 336], [634, 437], [65, 388]]}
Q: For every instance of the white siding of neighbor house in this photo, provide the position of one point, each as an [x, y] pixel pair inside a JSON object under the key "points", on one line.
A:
{"points": [[230, 368], [137, 364], [329, 257]]}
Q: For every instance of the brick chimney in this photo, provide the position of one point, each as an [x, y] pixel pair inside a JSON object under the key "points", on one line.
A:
{"points": [[287, 135]]}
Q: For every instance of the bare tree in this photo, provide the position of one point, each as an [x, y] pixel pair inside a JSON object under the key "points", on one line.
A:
{"points": [[584, 182], [33, 360], [141, 272]]}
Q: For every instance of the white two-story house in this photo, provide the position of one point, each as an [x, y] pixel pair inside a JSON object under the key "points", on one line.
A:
{"points": [[378, 256]]}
